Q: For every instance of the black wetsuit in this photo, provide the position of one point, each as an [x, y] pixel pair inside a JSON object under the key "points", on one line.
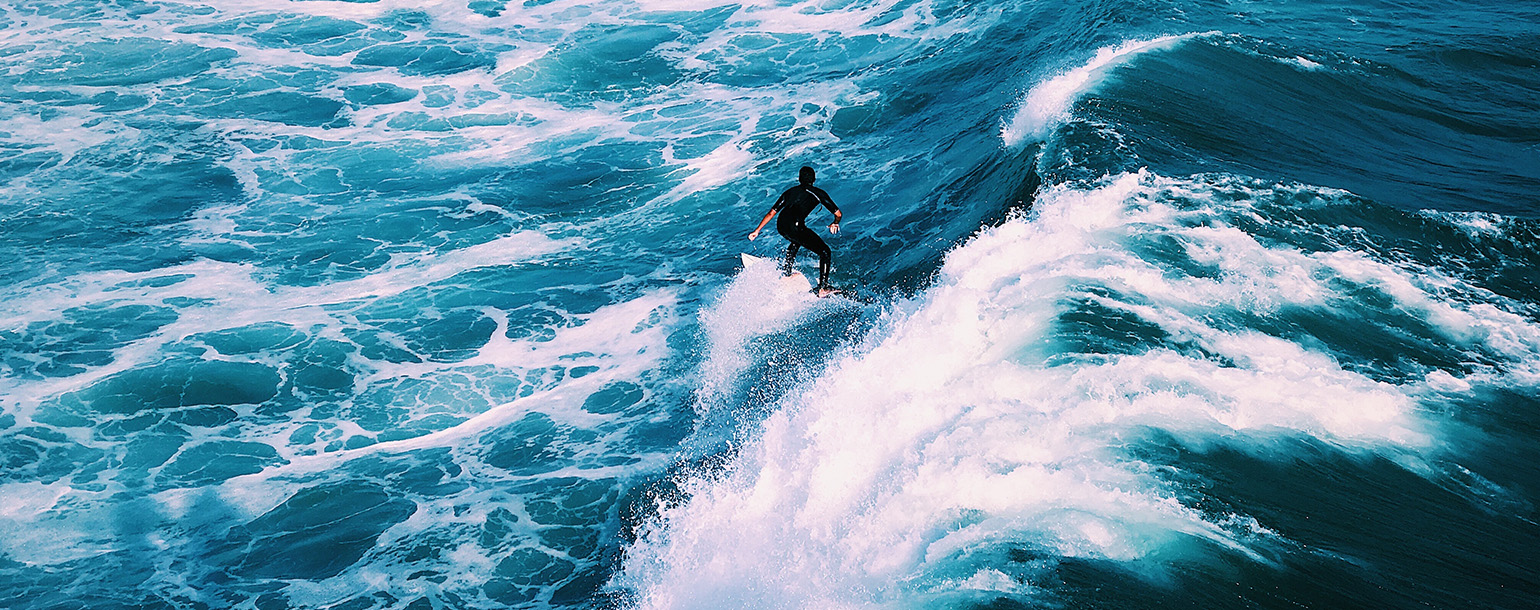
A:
{"points": [[794, 205]]}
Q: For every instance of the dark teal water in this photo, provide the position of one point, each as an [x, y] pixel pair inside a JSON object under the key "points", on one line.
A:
{"points": [[324, 304]]}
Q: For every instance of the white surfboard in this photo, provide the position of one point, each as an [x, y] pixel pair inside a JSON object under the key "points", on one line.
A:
{"points": [[796, 282]]}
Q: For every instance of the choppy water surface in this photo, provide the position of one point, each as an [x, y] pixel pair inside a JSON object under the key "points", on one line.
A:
{"points": [[323, 304]]}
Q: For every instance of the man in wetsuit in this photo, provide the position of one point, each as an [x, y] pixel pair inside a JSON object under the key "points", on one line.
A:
{"points": [[795, 204]]}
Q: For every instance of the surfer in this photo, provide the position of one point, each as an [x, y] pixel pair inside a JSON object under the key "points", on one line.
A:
{"points": [[795, 204]]}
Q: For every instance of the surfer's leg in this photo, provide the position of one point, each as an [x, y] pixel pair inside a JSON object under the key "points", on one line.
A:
{"points": [[825, 259], [791, 258], [806, 238]]}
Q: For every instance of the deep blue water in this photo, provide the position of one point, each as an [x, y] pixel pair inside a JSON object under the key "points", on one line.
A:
{"points": [[354, 305]]}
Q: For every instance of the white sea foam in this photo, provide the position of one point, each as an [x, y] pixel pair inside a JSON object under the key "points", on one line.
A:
{"points": [[37, 527], [622, 342], [65, 133], [952, 430], [1304, 63], [1047, 104], [507, 127], [1476, 224], [234, 296], [619, 342]]}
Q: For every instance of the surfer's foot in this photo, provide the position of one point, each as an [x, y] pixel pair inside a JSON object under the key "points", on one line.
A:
{"points": [[824, 291]]}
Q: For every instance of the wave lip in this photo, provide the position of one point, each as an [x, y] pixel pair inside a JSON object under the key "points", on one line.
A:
{"points": [[1046, 105]]}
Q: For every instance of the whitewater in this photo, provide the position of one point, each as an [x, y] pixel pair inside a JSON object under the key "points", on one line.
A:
{"points": [[422, 305]]}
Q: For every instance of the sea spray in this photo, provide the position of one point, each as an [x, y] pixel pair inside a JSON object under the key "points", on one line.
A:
{"points": [[964, 426], [759, 300]]}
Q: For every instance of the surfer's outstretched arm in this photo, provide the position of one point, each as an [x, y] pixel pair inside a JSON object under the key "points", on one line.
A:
{"points": [[764, 221]]}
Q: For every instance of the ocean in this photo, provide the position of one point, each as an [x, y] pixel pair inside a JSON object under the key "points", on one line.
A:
{"points": [[401, 305]]}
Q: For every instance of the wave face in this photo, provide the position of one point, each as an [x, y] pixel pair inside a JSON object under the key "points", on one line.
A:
{"points": [[377, 305]]}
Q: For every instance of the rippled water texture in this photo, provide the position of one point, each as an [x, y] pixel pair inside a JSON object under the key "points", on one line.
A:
{"points": [[404, 305]]}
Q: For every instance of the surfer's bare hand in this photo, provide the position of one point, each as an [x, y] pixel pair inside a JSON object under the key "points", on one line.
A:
{"points": [[753, 235], [834, 228]]}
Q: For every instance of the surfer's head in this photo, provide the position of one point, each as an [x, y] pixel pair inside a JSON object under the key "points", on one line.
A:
{"points": [[806, 176]]}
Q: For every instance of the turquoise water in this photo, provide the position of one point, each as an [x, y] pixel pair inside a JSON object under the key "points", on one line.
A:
{"points": [[324, 304]]}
